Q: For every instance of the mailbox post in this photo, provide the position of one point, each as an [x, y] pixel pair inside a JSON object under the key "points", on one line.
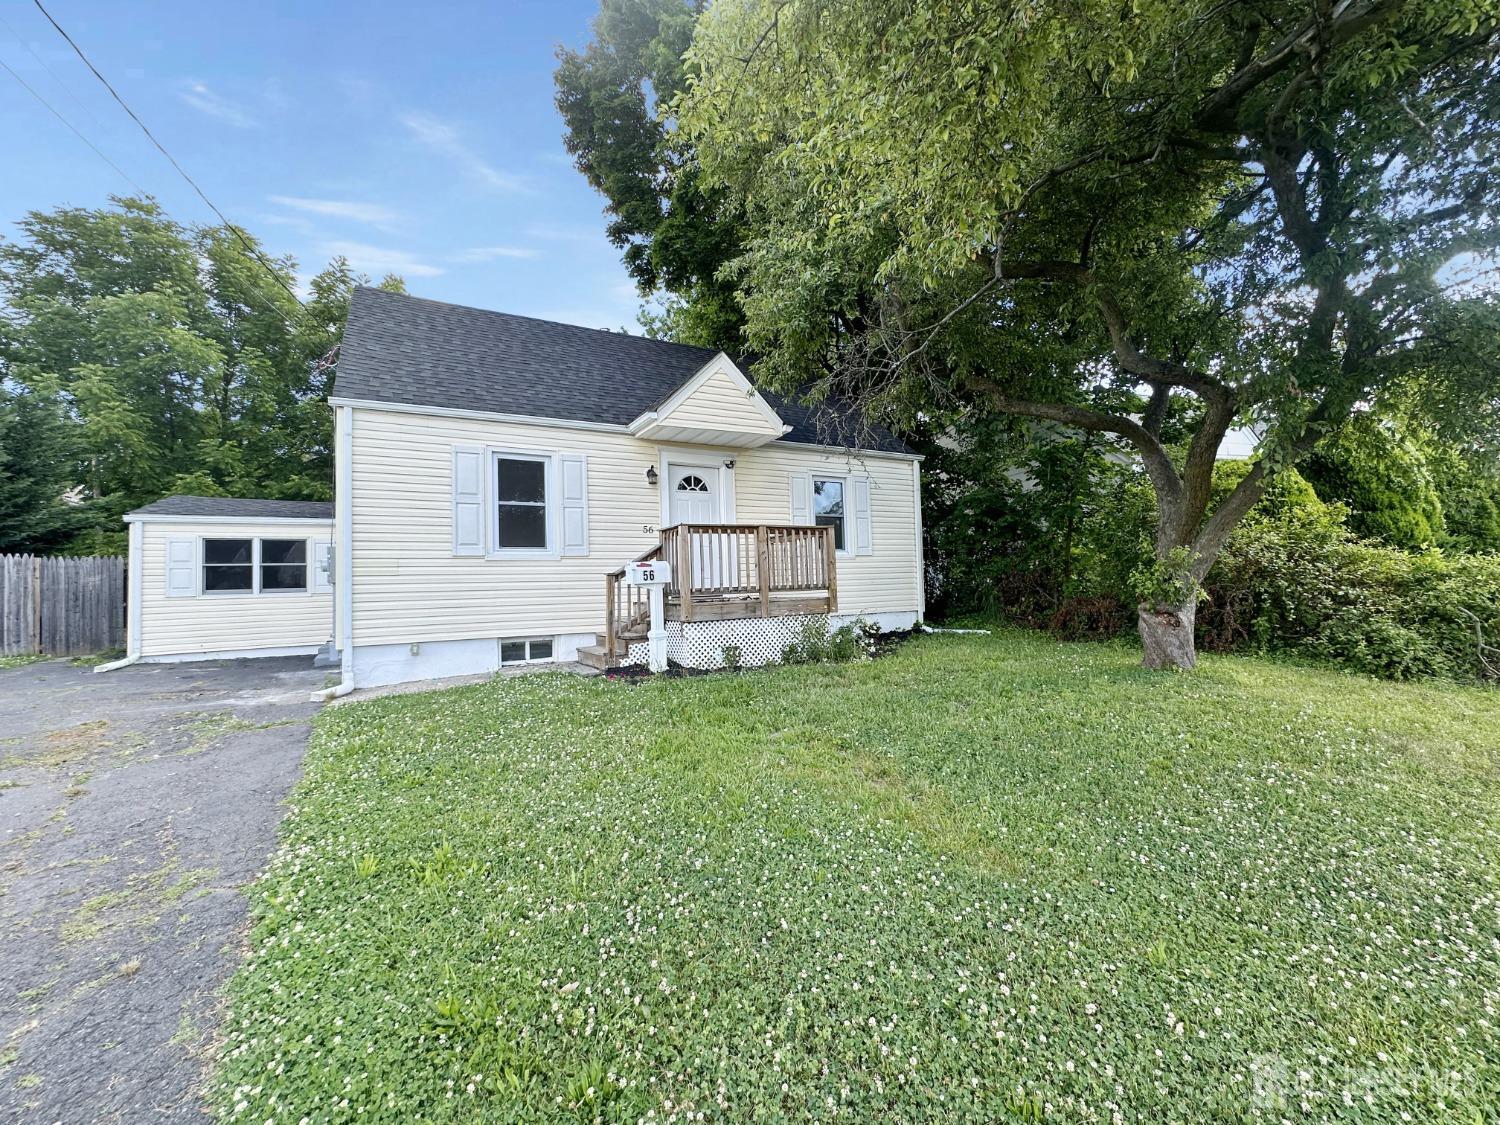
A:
{"points": [[655, 575]]}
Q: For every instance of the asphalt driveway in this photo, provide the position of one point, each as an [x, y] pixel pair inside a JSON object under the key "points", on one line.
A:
{"points": [[135, 806]]}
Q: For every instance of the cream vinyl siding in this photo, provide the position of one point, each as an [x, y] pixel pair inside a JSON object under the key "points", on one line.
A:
{"points": [[719, 403], [408, 586], [885, 581], [228, 622]]}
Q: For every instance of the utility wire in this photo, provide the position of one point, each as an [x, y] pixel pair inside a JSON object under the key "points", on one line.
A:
{"points": [[249, 246], [258, 296], [52, 110], [73, 97]]}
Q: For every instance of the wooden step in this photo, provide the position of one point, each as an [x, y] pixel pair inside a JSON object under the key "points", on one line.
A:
{"points": [[596, 656], [623, 640]]}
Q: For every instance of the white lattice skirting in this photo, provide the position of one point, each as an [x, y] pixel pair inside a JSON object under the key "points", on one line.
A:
{"points": [[701, 644]]}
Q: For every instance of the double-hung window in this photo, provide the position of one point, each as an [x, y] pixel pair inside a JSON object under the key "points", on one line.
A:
{"points": [[228, 566], [830, 507], [521, 521], [254, 566], [283, 564]]}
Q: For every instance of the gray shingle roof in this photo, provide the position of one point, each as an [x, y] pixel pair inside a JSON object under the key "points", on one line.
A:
{"points": [[409, 350], [219, 506]]}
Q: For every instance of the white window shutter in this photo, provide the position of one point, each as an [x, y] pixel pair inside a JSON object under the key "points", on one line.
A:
{"points": [[574, 493], [182, 568], [802, 498], [322, 566], [864, 543], [468, 501]]}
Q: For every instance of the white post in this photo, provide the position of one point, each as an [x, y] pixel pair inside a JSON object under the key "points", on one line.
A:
{"points": [[656, 636]]}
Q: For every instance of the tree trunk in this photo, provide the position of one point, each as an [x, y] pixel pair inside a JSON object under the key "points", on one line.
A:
{"points": [[1167, 634]]}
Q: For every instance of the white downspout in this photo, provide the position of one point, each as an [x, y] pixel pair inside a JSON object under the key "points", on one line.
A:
{"points": [[343, 521], [916, 490], [133, 601]]}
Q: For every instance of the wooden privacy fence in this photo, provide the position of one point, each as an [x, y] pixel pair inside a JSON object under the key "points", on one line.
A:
{"points": [[61, 607]]}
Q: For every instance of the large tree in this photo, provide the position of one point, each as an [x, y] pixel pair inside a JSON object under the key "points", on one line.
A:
{"points": [[1086, 212], [163, 358], [675, 236]]}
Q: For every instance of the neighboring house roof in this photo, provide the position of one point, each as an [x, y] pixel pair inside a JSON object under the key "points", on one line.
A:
{"points": [[219, 507], [411, 351]]}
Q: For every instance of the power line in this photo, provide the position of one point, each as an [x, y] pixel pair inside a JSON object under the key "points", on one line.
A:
{"points": [[52, 110], [260, 297], [249, 246], [30, 50]]}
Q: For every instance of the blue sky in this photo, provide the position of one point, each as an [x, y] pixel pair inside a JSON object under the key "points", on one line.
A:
{"points": [[416, 140]]}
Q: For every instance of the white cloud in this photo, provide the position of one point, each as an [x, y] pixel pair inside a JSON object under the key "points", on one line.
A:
{"points": [[204, 100], [444, 138], [491, 253], [379, 259], [372, 213]]}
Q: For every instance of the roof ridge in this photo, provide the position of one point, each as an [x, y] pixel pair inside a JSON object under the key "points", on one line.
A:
{"points": [[538, 320]]}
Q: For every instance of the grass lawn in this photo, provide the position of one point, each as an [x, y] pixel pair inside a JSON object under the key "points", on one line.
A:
{"points": [[982, 878]]}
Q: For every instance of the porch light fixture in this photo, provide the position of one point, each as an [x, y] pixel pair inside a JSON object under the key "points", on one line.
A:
{"points": [[729, 464], [651, 475]]}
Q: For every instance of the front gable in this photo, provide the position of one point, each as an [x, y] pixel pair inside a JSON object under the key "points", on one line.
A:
{"points": [[717, 406]]}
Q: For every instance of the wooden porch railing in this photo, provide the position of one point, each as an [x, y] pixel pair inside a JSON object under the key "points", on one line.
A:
{"points": [[728, 570], [625, 606], [748, 565]]}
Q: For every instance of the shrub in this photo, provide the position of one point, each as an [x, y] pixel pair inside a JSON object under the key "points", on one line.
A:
{"points": [[817, 644], [1301, 583]]}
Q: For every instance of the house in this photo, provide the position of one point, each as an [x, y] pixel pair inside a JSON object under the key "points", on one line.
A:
{"points": [[496, 474]]}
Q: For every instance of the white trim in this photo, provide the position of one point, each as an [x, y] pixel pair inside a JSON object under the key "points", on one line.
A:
{"points": [[481, 415], [574, 424], [528, 641], [551, 504], [343, 493], [149, 518], [256, 589], [849, 451], [846, 483], [719, 363], [230, 654], [916, 490], [135, 578], [695, 460]]}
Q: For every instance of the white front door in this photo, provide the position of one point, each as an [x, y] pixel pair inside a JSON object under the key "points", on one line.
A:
{"points": [[695, 494], [695, 499]]}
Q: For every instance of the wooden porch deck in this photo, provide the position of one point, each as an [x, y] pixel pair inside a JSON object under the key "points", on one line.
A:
{"points": [[724, 571]]}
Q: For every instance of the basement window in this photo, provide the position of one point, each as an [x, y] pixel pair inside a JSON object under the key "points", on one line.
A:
{"points": [[526, 650]]}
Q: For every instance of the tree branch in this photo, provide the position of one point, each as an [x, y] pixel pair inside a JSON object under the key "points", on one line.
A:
{"points": [[1131, 359], [1159, 466]]}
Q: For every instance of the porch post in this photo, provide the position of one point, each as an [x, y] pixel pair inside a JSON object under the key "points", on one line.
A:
{"points": [[684, 563], [656, 636], [763, 567]]}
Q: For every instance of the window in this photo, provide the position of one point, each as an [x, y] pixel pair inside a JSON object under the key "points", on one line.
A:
{"points": [[828, 507], [528, 650], [254, 566], [521, 503], [228, 565], [691, 483], [283, 564]]}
